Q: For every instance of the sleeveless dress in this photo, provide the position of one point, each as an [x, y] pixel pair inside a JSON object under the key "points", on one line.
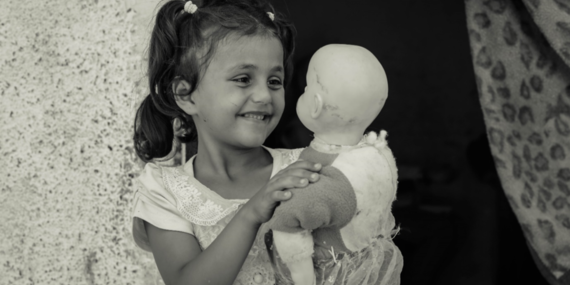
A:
{"points": [[172, 199]]}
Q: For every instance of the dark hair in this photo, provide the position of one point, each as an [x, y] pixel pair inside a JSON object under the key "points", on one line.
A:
{"points": [[176, 38]]}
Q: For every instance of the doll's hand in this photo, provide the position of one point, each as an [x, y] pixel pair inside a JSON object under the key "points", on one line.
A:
{"points": [[377, 140], [299, 174]]}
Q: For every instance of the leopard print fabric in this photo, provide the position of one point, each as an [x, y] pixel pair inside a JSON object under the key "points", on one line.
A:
{"points": [[521, 54]]}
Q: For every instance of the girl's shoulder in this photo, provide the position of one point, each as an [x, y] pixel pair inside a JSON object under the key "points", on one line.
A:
{"points": [[186, 195], [286, 156]]}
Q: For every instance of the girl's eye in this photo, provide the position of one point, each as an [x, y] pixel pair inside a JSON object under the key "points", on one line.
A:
{"points": [[244, 80], [275, 83]]}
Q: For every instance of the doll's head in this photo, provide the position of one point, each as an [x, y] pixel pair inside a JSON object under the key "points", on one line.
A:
{"points": [[346, 90]]}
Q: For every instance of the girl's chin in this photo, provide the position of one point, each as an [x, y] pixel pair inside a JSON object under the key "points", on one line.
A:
{"points": [[251, 139], [251, 142], [253, 133]]}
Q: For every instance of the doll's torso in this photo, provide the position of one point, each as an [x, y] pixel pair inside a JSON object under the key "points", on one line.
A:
{"points": [[360, 251], [373, 179]]}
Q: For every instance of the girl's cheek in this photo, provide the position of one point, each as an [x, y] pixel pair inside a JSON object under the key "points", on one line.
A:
{"points": [[279, 96], [234, 103]]}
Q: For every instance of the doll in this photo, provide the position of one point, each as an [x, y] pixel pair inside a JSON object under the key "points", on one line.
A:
{"points": [[339, 230]]}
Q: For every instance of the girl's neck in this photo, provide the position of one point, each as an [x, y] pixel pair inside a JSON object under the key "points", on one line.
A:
{"points": [[229, 163]]}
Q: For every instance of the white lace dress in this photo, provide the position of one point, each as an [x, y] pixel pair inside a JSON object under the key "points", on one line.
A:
{"points": [[172, 199]]}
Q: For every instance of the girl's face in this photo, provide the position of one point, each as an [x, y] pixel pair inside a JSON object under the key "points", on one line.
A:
{"points": [[240, 97]]}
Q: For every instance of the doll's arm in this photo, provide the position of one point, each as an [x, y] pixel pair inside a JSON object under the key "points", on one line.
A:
{"points": [[329, 202]]}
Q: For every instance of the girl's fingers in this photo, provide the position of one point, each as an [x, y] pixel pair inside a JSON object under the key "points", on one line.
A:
{"points": [[297, 175], [305, 165], [302, 169], [286, 182], [281, 195], [314, 177], [302, 173]]}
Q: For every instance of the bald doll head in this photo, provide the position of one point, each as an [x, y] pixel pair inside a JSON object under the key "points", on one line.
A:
{"points": [[346, 90]]}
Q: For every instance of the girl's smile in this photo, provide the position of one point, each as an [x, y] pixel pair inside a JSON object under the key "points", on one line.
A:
{"points": [[240, 97], [258, 117]]}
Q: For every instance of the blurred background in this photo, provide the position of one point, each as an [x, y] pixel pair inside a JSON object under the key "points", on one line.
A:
{"points": [[72, 72], [456, 224]]}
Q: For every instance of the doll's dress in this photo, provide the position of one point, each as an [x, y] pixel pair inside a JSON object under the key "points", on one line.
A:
{"points": [[352, 246], [378, 263], [172, 199]]}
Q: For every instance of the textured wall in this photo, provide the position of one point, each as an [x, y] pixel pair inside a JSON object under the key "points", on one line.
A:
{"points": [[69, 74]]}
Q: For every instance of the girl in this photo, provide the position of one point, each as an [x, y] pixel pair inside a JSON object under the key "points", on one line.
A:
{"points": [[216, 71]]}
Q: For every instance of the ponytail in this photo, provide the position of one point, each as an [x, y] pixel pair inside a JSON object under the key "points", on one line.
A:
{"points": [[153, 132], [153, 123]]}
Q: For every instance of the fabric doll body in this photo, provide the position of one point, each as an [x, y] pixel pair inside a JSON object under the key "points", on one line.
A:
{"points": [[348, 214]]}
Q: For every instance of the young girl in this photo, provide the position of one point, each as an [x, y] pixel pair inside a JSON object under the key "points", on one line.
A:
{"points": [[216, 71]]}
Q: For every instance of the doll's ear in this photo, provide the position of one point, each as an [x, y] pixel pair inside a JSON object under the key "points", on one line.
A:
{"points": [[181, 90], [317, 106]]}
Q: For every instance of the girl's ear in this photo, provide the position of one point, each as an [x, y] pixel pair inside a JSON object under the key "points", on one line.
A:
{"points": [[317, 107], [181, 89]]}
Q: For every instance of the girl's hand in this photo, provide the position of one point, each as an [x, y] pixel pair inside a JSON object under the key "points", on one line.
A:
{"points": [[299, 174]]}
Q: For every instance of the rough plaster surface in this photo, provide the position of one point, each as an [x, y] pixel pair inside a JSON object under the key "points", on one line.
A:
{"points": [[70, 78]]}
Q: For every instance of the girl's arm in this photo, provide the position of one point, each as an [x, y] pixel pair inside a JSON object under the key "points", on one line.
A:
{"points": [[179, 257], [180, 260]]}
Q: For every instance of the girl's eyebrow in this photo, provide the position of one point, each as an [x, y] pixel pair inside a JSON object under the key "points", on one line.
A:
{"points": [[248, 66], [243, 66]]}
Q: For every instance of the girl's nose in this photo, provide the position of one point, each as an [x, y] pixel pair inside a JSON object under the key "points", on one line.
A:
{"points": [[261, 95]]}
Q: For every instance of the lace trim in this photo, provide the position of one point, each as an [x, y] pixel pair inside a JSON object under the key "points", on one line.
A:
{"points": [[190, 202], [290, 156]]}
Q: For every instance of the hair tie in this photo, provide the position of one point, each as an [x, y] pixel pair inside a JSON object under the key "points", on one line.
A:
{"points": [[271, 16], [190, 7]]}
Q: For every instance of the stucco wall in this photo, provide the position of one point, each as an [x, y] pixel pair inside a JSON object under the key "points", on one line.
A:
{"points": [[70, 75]]}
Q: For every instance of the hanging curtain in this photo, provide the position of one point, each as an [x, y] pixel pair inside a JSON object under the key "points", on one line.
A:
{"points": [[521, 57]]}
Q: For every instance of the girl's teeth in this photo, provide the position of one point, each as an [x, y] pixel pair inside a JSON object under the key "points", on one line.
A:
{"points": [[258, 117]]}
